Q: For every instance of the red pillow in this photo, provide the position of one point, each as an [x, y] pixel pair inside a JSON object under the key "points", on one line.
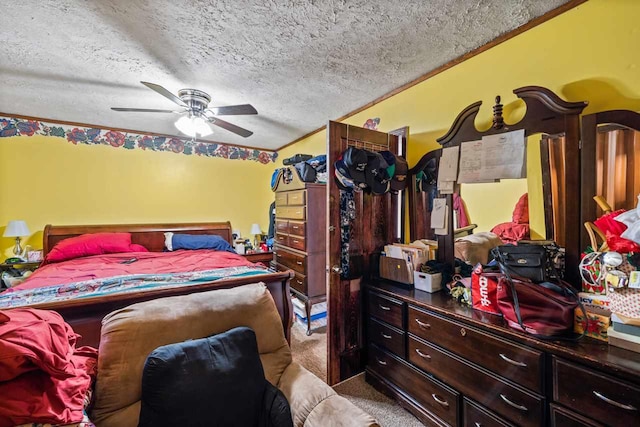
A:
{"points": [[137, 248], [89, 244], [521, 211]]}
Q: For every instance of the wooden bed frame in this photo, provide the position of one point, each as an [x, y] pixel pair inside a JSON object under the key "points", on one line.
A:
{"points": [[85, 315]]}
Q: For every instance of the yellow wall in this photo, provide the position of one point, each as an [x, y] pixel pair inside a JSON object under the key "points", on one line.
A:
{"points": [[588, 53], [49, 180]]}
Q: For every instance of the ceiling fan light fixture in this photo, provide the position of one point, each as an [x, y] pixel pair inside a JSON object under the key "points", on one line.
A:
{"points": [[193, 126]]}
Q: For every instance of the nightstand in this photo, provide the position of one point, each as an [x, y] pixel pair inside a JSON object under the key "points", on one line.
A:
{"points": [[8, 279], [263, 258], [20, 265]]}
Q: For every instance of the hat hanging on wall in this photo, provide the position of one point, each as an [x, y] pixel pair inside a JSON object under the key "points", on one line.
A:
{"points": [[355, 160], [376, 175], [399, 180]]}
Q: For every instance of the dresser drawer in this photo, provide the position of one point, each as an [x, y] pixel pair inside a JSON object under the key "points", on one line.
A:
{"points": [[434, 396], [387, 309], [291, 260], [282, 239], [299, 283], [388, 337], [290, 212], [514, 403], [297, 242], [595, 395], [518, 363], [282, 226], [281, 199], [297, 197], [297, 228], [562, 417], [475, 415]]}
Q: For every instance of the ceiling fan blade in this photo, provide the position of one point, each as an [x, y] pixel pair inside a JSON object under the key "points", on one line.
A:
{"points": [[230, 127], [164, 92], [231, 110], [143, 110]]}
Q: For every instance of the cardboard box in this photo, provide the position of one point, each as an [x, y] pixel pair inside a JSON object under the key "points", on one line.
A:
{"points": [[619, 339], [590, 300], [597, 324], [427, 282]]}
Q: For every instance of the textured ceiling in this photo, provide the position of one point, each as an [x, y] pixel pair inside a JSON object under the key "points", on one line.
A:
{"points": [[300, 63]]}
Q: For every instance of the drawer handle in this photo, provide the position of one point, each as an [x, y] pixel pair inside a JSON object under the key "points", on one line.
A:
{"points": [[299, 212], [299, 282], [385, 336], [440, 401], [510, 403], [513, 362], [423, 325], [295, 227], [423, 355], [296, 241], [614, 403], [381, 362], [477, 424], [299, 262], [384, 307]]}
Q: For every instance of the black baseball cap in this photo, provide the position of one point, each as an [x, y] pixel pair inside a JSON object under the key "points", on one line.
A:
{"points": [[376, 175], [355, 160]]}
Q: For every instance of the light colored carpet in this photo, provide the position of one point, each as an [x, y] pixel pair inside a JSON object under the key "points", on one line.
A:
{"points": [[310, 351], [386, 411]]}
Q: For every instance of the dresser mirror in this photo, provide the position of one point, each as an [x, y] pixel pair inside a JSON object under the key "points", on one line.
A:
{"points": [[551, 129], [610, 163]]}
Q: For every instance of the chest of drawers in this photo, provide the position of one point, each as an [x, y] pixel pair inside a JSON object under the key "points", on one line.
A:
{"points": [[454, 366], [300, 236]]}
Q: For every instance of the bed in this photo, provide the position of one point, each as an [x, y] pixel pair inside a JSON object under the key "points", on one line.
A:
{"points": [[85, 312]]}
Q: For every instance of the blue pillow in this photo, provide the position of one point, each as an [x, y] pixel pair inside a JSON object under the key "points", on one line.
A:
{"points": [[199, 241]]}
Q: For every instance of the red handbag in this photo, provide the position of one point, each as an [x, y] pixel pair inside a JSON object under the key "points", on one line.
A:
{"points": [[544, 309], [541, 309]]}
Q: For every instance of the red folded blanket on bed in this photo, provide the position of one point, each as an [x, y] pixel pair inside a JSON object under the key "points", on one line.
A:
{"points": [[110, 265]]}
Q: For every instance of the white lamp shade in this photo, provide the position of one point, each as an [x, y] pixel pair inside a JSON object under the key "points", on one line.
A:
{"points": [[255, 229], [16, 229], [193, 126]]}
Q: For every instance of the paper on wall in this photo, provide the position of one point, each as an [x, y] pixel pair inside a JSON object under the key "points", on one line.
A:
{"points": [[438, 214], [445, 229], [448, 169], [503, 156], [446, 187], [470, 161]]}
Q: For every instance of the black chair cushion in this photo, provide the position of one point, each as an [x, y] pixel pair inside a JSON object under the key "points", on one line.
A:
{"points": [[214, 381]]}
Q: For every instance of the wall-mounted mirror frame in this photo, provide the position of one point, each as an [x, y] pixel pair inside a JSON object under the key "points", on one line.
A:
{"points": [[610, 146], [546, 113]]}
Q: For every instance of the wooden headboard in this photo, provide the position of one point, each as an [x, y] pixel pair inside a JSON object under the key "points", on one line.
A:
{"points": [[151, 236]]}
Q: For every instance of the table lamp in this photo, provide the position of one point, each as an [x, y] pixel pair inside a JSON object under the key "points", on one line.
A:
{"points": [[17, 229], [255, 230]]}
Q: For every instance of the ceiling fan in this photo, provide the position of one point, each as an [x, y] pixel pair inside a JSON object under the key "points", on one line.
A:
{"points": [[195, 103]]}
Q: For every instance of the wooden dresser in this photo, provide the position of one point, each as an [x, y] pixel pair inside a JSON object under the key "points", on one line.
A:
{"points": [[300, 241], [451, 365]]}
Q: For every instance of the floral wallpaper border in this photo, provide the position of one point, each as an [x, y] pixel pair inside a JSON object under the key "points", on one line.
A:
{"points": [[12, 126]]}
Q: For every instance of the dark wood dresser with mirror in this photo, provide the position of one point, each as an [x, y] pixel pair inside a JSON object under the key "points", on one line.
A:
{"points": [[300, 226], [451, 365]]}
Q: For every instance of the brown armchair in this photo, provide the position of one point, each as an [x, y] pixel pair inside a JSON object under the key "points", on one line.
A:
{"points": [[130, 334]]}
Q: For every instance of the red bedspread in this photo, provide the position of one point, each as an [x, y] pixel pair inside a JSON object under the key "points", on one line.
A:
{"points": [[110, 265]]}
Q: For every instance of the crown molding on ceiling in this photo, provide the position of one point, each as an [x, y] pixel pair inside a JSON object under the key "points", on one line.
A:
{"points": [[504, 37]]}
